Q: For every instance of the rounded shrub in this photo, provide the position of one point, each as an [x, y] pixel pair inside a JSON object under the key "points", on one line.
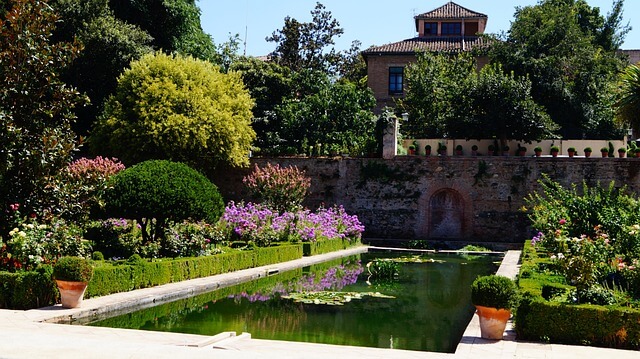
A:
{"points": [[494, 291], [73, 269], [97, 256], [162, 190]]}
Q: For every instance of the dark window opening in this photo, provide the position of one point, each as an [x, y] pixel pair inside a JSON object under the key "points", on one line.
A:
{"points": [[396, 78], [431, 28], [451, 28]]}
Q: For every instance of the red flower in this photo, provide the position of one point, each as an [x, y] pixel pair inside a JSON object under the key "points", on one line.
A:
{"points": [[32, 215], [563, 221], [14, 207]]}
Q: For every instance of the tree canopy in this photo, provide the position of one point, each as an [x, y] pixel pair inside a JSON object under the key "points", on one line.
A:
{"points": [[177, 108], [568, 50], [628, 104], [36, 107]]}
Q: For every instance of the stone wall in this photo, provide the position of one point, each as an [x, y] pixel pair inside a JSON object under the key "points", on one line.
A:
{"points": [[445, 198]]}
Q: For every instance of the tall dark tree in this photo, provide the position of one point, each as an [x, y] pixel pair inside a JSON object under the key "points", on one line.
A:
{"points": [[36, 140], [174, 25], [109, 45], [305, 45], [567, 49]]}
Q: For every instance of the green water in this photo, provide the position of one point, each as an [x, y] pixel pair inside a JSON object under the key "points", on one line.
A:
{"points": [[430, 312]]}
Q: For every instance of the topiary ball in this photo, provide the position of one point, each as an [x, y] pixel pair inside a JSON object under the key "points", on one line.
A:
{"points": [[73, 269], [163, 190], [494, 291]]}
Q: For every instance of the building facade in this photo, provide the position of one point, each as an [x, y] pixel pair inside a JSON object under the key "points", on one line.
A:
{"points": [[450, 28]]}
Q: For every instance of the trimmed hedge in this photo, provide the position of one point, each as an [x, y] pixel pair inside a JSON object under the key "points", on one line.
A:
{"points": [[122, 278], [27, 290], [322, 247], [540, 319], [36, 289]]}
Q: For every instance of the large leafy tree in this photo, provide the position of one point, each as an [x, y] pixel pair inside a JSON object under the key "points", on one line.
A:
{"points": [[36, 139], [174, 25], [567, 49], [499, 105], [327, 116], [176, 108], [308, 45], [628, 105], [109, 46], [435, 84]]}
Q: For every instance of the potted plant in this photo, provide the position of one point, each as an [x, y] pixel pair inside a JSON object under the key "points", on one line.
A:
{"points": [[442, 149], [587, 152], [604, 151], [522, 151], [493, 296], [637, 152], [538, 151], [505, 150], [555, 150], [459, 150], [622, 152], [412, 150], [474, 150], [72, 274], [492, 150], [427, 150], [571, 151]]}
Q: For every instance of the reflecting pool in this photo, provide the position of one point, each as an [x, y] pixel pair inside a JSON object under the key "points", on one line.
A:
{"points": [[429, 311]]}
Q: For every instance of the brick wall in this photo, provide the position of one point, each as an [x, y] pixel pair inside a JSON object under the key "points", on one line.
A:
{"points": [[399, 198]]}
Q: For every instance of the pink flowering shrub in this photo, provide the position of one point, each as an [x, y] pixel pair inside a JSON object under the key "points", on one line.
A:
{"points": [[281, 189]]}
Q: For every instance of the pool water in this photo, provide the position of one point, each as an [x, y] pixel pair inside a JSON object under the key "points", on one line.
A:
{"points": [[429, 312]]}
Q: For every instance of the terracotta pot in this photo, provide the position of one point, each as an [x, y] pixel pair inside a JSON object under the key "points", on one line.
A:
{"points": [[427, 152], [71, 293], [587, 154], [571, 153], [605, 154], [622, 154], [493, 321], [554, 153], [538, 153]]}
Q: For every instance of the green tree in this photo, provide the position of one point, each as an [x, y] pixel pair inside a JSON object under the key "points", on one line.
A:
{"points": [[269, 84], [36, 140], [435, 83], [568, 51], [628, 104], [302, 45], [174, 25], [177, 108], [109, 46], [327, 115], [500, 106]]}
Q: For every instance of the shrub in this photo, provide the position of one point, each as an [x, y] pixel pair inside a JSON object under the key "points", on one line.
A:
{"points": [[383, 269], [494, 291], [604, 149], [33, 243], [588, 149], [281, 189], [156, 191], [555, 149], [537, 149], [74, 269], [115, 238], [97, 256], [176, 108], [571, 149], [190, 240]]}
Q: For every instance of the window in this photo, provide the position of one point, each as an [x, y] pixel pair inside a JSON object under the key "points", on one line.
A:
{"points": [[451, 28], [431, 28], [396, 76]]}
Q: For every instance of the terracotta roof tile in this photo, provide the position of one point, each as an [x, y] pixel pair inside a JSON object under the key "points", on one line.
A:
{"points": [[436, 44], [451, 10]]}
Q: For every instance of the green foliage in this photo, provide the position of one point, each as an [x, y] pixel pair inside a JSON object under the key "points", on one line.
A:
{"points": [[335, 117], [303, 45], [73, 269], [115, 238], [188, 239], [172, 107], [383, 269], [27, 289], [628, 104], [434, 88], [174, 25], [331, 298], [500, 106], [109, 45], [35, 107], [154, 192], [97, 256], [568, 50], [327, 246], [281, 189], [494, 291]]}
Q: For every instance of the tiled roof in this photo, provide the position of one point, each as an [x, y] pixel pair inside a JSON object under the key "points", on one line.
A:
{"points": [[435, 44], [450, 10]]}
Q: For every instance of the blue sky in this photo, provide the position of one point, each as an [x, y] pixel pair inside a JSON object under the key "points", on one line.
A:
{"points": [[371, 22]]}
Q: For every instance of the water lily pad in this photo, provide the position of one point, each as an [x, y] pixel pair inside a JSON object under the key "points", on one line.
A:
{"points": [[331, 298]]}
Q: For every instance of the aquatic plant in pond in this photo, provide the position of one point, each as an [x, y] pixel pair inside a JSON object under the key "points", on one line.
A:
{"points": [[257, 223]]}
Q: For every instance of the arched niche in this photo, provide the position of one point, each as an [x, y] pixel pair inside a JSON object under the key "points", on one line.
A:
{"points": [[446, 214]]}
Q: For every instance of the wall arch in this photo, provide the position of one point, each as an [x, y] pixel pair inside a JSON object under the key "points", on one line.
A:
{"points": [[445, 213]]}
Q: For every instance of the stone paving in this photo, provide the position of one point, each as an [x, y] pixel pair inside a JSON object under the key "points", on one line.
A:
{"points": [[26, 334]]}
